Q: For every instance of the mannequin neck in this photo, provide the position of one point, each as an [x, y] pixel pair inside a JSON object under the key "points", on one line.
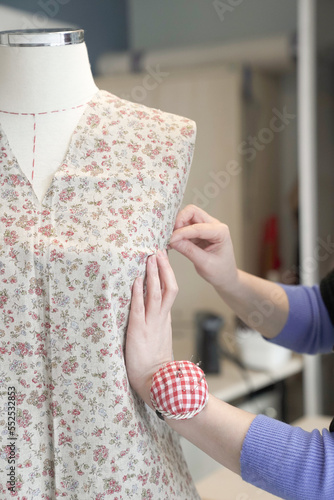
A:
{"points": [[42, 79]]}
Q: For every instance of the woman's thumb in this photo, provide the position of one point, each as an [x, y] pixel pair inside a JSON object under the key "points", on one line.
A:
{"points": [[189, 250]]}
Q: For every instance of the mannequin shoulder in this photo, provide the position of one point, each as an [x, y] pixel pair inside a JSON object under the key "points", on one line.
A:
{"points": [[173, 125]]}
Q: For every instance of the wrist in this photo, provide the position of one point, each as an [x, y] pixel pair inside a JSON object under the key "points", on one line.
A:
{"points": [[142, 383], [143, 390], [230, 288]]}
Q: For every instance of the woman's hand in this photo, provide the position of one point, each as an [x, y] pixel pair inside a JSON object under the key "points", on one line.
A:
{"points": [[149, 333], [207, 243], [219, 429]]}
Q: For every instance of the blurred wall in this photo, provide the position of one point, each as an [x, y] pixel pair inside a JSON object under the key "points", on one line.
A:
{"points": [[104, 22], [119, 25], [160, 23]]}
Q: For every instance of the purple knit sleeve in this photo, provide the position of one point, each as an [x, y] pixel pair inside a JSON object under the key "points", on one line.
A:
{"points": [[284, 460], [288, 461], [308, 328]]}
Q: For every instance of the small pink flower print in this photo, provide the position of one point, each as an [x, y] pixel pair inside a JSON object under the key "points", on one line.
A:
{"points": [[23, 349], [94, 169], [137, 162], [15, 181], [126, 212], [63, 440], [118, 238], [165, 479], [101, 454], [67, 195], [10, 237], [26, 223], [158, 118], [46, 230], [134, 147], [92, 270], [147, 494], [187, 131], [149, 151], [123, 186], [171, 161], [101, 146], [23, 418], [93, 120], [163, 177], [3, 298], [123, 302], [143, 478], [102, 303], [90, 153], [176, 189], [95, 332], [70, 365], [158, 209], [56, 256], [55, 408], [120, 319], [141, 114], [112, 487], [7, 221]]}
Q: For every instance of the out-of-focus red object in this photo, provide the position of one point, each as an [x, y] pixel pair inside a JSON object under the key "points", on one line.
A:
{"points": [[270, 247]]}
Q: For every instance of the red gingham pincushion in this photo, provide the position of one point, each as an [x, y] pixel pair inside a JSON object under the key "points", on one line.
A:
{"points": [[179, 390]]}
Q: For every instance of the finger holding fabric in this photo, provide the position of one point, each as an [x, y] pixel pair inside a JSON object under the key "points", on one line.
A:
{"points": [[207, 243], [149, 333]]}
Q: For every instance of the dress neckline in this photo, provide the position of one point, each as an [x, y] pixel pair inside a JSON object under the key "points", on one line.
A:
{"points": [[4, 142]]}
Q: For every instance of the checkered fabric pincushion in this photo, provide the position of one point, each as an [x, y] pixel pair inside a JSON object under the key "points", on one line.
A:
{"points": [[179, 390]]}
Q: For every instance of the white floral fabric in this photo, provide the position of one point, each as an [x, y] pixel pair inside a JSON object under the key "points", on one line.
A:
{"points": [[70, 425]]}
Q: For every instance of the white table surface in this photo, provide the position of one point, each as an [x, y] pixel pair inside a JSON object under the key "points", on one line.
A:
{"points": [[233, 382]]}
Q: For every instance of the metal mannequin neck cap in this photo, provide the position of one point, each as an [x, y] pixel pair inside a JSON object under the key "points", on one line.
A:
{"points": [[51, 37]]}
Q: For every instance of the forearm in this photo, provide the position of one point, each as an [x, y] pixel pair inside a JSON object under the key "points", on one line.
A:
{"points": [[264, 450], [261, 304], [219, 430], [288, 461]]}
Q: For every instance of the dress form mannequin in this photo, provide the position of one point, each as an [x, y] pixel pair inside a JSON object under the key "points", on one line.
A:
{"points": [[67, 263], [35, 82]]}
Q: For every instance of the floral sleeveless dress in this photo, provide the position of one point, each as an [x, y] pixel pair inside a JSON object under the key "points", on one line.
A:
{"points": [[70, 425]]}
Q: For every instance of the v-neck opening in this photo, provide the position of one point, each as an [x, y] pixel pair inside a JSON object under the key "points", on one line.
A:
{"points": [[5, 142]]}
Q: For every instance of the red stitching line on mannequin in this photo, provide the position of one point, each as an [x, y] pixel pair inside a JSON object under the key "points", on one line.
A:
{"points": [[42, 112], [34, 115]]}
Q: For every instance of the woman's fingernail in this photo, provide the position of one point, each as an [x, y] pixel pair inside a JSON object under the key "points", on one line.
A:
{"points": [[153, 260], [174, 240]]}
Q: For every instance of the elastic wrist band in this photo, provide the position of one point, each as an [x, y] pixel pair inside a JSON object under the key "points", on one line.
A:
{"points": [[179, 390]]}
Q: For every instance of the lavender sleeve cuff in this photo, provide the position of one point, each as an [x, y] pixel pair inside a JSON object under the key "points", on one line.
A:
{"points": [[308, 328], [288, 461]]}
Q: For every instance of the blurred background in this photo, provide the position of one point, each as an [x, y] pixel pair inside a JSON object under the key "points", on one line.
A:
{"points": [[232, 67]]}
